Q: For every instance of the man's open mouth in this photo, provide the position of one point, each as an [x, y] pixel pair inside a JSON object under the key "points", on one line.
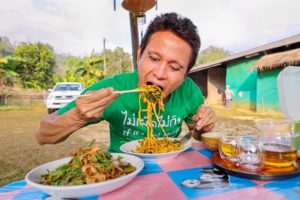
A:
{"points": [[150, 83]]}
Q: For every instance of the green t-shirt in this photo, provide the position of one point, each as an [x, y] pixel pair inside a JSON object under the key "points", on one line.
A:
{"points": [[122, 114]]}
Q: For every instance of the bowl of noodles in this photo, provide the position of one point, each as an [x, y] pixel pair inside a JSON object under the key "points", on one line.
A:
{"points": [[89, 172], [152, 149], [161, 152]]}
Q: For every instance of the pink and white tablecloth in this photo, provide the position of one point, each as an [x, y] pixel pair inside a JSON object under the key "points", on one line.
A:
{"points": [[159, 181]]}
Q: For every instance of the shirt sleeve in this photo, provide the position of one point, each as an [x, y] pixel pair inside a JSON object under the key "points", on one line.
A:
{"points": [[195, 100]]}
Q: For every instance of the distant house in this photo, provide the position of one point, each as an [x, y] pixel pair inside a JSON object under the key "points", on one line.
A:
{"points": [[252, 75]]}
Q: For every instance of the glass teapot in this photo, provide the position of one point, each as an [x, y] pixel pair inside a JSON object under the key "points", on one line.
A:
{"points": [[276, 139]]}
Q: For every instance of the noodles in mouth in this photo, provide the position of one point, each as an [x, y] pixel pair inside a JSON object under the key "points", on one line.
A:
{"points": [[153, 96]]}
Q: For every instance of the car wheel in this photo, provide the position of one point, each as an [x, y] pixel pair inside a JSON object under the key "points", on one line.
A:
{"points": [[51, 110]]}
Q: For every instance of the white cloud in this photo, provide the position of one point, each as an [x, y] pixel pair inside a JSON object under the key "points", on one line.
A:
{"points": [[240, 25], [77, 27]]}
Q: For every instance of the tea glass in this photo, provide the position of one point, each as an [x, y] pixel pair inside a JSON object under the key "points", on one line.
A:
{"points": [[250, 153], [228, 147]]}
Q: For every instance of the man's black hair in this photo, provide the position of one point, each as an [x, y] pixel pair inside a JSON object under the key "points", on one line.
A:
{"points": [[180, 26]]}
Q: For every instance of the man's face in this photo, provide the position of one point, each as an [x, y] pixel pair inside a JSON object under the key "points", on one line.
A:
{"points": [[164, 61]]}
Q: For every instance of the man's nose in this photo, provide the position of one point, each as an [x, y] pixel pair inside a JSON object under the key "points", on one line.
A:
{"points": [[160, 71]]}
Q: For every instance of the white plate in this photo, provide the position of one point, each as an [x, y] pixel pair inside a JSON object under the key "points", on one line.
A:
{"points": [[32, 178], [129, 147]]}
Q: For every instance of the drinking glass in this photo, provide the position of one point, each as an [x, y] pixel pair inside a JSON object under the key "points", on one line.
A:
{"points": [[250, 153], [228, 147]]}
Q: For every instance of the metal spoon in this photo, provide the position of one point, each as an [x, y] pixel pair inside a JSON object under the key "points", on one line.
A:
{"points": [[186, 137]]}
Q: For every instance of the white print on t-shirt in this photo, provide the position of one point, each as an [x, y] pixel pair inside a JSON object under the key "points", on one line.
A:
{"points": [[132, 132], [160, 134], [133, 120]]}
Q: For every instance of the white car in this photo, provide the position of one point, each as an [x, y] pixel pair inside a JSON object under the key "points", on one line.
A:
{"points": [[62, 94]]}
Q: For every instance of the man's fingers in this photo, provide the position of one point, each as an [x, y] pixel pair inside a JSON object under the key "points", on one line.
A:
{"points": [[99, 107], [104, 102], [199, 114], [210, 123], [208, 127], [206, 116], [91, 106], [94, 114], [206, 120]]}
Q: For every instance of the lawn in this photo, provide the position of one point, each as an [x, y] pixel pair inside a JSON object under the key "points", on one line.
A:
{"points": [[19, 149]]}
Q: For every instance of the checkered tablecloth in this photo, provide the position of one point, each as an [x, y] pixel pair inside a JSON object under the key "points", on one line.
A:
{"points": [[164, 181]]}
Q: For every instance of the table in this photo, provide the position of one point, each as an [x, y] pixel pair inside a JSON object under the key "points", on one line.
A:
{"points": [[164, 181]]}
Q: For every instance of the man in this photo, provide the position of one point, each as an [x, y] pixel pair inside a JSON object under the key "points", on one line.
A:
{"points": [[167, 52], [228, 96]]}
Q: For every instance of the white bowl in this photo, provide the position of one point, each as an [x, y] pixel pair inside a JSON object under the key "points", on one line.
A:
{"points": [[211, 140], [129, 147], [32, 178]]}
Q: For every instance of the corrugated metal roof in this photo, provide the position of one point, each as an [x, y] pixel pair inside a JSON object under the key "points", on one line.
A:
{"points": [[249, 53]]}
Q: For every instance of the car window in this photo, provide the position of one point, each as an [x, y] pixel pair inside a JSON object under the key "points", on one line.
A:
{"points": [[61, 87], [67, 87], [74, 87]]}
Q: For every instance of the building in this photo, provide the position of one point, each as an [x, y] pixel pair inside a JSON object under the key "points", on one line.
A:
{"points": [[252, 75]]}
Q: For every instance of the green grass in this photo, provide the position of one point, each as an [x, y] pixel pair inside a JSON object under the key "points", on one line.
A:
{"points": [[19, 149]]}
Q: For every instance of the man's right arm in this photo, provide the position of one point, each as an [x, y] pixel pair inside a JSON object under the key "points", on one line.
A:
{"points": [[54, 128]]}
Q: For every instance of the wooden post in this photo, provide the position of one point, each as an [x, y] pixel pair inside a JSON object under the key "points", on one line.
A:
{"points": [[104, 58], [134, 38]]}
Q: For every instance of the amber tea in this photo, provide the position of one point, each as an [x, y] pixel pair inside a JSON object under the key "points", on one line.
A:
{"points": [[228, 148], [278, 155]]}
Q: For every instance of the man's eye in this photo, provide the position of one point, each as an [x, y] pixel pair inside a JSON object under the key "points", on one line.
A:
{"points": [[154, 59], [175, 68]]}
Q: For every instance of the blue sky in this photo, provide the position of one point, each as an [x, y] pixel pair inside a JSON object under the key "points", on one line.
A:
{"points": [[78, 26]]}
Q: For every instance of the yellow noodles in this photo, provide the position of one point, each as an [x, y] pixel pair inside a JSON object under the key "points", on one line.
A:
{"points": [[152, 96]]}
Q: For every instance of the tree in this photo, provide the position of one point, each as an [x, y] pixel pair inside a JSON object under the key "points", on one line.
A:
{"points": [[117, 61], [8, 76], [86, 70], [90, 69], [211, 54], [6, 48], [36, 64]]}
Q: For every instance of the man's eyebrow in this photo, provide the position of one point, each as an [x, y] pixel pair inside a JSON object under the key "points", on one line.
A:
{"points": [[153, 52]]}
